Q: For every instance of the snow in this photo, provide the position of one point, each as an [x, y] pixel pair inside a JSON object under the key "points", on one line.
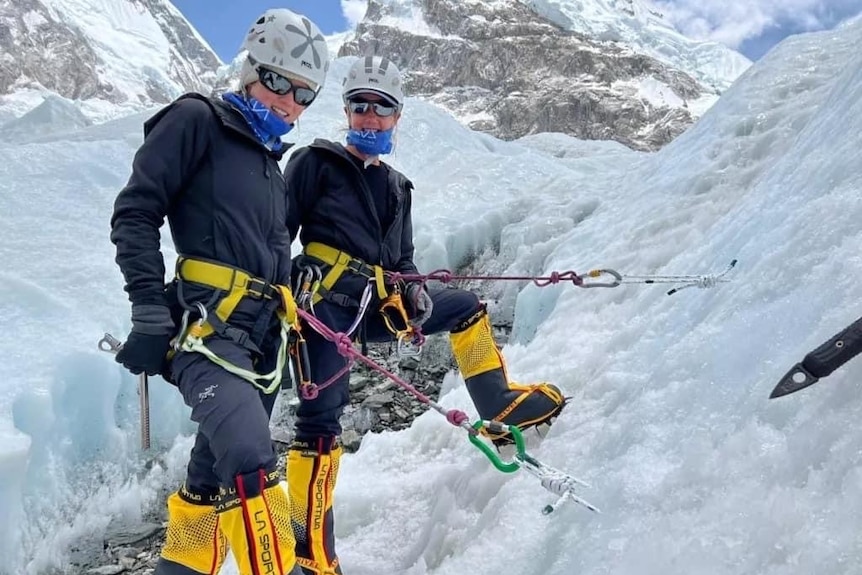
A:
{"points": [[654, 91], [696, 471], [407, 15], [53, 116], [33, 20], [639, 25]]}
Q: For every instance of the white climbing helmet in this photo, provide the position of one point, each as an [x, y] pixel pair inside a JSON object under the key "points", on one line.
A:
{"points": [[290, 44], [374, 74]]}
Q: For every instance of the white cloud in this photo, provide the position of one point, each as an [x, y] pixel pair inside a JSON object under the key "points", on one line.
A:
{"points": [[354, 11], [734, 21]]}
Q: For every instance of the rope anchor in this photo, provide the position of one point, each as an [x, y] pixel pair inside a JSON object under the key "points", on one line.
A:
{"points": [[561, 484], [703, 281]]}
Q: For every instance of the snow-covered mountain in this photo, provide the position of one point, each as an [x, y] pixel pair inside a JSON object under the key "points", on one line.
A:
{"points": [[110, 57], [595, 69], [641, 26]]}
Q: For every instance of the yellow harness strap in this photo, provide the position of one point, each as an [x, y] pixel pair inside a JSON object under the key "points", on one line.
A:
{"points": [[287, 313], [341, 262], [237, 284]]}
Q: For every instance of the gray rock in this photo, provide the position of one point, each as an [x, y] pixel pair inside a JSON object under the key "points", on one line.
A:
{"points": [[378, 400], [106, 570], [516, 73], [129, 535]]}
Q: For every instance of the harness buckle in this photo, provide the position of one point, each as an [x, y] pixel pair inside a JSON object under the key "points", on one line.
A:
{"points": [[259, 289], [359, 267]]}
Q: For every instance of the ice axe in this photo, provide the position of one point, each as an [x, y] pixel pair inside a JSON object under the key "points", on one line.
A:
{"points": [[110, 344]]}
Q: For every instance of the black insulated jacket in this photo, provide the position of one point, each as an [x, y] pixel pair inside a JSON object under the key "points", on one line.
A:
{"points": [[222, 191], [332, 204]]}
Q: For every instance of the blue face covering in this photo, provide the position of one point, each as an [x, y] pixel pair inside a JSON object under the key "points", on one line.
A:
{"points": [[371, 142], [268, 126]]}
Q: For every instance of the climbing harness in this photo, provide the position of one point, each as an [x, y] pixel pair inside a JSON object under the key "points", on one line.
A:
{"points": [[598, 278], [230, 286], [554, 480], [341, 262], [313, 285], [409, 338]]}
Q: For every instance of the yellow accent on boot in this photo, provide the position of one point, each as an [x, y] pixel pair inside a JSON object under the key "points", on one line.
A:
{"points": [[311, 476], [193, 538], [259, 530], [551, 391], [475, 350]]}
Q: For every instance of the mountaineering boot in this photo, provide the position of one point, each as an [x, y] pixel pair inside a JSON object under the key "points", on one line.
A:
{"points": [[193, 543], [484, 371], [312, 469], [255, 518]]}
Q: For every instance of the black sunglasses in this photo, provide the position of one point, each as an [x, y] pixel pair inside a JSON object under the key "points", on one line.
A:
{"points": [[278, 84], [382, 109]]}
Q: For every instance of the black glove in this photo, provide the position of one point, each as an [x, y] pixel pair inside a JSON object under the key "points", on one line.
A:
{"points": [[144, 353], [146, 348], [420, 303]]}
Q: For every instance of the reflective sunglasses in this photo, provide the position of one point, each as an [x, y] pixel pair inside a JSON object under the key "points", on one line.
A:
{"points": [[382, 109], [278, 84]]}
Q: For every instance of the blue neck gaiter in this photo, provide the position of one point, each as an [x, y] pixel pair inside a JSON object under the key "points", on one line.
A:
{"points": [[268, 126], [371, 142]]}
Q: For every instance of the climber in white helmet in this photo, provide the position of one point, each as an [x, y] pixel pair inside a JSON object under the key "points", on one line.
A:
{"points": [[210, 166]]}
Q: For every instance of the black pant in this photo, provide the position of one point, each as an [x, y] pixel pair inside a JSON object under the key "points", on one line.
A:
{"points": [[233, 435], [318, 417]]}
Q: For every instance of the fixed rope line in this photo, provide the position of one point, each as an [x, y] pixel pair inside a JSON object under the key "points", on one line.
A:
{"points": [[561, 484], [344, 345], [446, 276], [597, 278]]}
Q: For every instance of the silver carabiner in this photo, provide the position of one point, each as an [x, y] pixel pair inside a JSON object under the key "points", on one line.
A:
{"points": [[407, 347], [618, 279]]}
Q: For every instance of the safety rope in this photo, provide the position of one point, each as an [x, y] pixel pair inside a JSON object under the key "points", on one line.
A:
{"points": [[597, 278], [555, 481], [344, 345]]}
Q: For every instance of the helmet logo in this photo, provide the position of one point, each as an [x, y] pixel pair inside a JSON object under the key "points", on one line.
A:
{"points": [[309, 42]]}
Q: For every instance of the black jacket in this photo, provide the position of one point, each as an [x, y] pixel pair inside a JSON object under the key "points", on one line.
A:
{"points": [[331, 202], [221, 190]]}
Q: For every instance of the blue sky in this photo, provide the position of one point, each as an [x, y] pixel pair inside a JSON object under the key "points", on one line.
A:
{"points": [[749, 26], [223, 23], [754, 26]]}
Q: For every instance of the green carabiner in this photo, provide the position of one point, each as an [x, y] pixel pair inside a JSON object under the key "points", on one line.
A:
{"points": [[497, 427]]}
